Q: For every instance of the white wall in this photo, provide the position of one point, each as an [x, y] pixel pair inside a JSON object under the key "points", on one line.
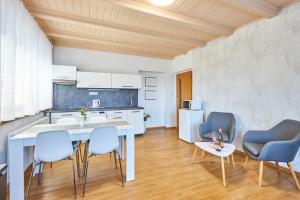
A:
{"points": [[95, 61], [87, 60], [255, 73], [182, 62]]}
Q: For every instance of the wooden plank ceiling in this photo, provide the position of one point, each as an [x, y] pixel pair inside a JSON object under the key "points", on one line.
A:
{"points": [[137, 27]]}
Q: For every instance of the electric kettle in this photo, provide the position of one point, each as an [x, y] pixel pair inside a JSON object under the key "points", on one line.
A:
{"points": [[96, 103]]}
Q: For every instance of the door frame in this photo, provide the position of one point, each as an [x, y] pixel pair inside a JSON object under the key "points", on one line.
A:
{"points": [[177, 91]]}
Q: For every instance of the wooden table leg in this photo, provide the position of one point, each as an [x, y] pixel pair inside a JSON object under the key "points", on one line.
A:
{"points": [[223, 171], [195, 152], [261, 168], [228, 161], [203, 154], [232, 158]]}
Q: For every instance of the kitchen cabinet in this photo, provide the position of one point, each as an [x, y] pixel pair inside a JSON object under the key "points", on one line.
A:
{"points": [[117, 115], [63, 73], [93, 80], [126, 81], [136, 118]]}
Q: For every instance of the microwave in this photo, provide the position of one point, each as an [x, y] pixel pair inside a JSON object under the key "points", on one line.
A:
{"points": [[191, 104]]}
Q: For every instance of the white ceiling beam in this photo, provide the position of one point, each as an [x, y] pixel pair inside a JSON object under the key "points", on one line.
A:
{"points": [[175, 17], [258, 7], [71, 44], [96, 41], [79, 20], [143, 44]]}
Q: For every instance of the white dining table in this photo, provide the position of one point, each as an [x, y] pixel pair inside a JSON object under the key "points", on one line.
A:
{"points": [[27, 138]]}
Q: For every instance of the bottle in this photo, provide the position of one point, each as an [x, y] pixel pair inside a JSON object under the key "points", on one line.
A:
{"points": [[221, 139]]}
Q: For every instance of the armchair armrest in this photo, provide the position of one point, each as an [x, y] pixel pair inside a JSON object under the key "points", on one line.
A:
{"points": [[204, 128], [260, 137], [280, 151]]}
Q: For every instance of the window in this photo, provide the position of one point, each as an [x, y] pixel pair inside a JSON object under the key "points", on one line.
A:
{"points": [[26, 63]]}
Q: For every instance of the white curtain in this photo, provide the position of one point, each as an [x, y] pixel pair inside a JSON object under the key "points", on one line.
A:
{"points": [[26, 63]]}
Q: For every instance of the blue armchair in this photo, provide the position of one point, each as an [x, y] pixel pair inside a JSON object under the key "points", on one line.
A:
{"points": [[279, 144], [216, 120]]}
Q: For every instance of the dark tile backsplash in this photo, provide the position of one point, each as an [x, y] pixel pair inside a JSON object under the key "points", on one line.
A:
{"points": [[69, 97]]}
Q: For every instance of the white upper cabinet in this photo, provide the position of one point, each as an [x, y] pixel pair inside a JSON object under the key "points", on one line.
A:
{"points": [[64, 73], [128, 81], [93, 80]]}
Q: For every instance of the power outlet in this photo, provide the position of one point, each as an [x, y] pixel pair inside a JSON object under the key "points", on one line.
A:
{"points": [[93, 93]]}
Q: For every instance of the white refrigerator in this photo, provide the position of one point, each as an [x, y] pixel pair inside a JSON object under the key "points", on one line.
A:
{"points": [[189, 122]]}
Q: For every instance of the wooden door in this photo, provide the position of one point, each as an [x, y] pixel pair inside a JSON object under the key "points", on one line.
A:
{"points": [[183, 90]]}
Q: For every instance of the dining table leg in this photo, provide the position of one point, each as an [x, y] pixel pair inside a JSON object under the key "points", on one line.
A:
{"points": [[16, 169], [130, 157]]}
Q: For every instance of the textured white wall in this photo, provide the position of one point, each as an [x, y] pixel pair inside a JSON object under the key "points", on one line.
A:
{"points": [[255, 73]]}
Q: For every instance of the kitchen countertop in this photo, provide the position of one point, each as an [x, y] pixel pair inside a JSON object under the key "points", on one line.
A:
{"points": [[97, 109]]}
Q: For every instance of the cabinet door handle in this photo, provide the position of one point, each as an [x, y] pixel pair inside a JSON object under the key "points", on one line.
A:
{"points": [[117, 112], [96, 86], [117, 118], [62, 77], [136, 111], [126, 86], [64, 115]]}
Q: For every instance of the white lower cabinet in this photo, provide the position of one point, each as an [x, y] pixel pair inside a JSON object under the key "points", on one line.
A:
{"points": [[189, 122], [136, 118], [133, 117]]}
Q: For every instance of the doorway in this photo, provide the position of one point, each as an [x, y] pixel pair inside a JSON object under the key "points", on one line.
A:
{"points": [[183, 90]]}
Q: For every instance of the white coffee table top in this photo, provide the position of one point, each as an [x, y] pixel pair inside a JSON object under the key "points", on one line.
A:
{"points": [[226, 151]]}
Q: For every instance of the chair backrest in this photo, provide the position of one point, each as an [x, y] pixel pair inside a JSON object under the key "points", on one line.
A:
{"points": [[52, 146], [67, 120], [225, 121], [286, 130], [96, 119], [103, 140]]}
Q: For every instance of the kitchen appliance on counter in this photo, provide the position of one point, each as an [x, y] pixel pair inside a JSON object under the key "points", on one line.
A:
{"points": [[191, 104], [96, 103]]}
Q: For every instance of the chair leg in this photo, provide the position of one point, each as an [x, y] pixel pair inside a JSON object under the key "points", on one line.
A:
{"points": [[246, 161], [78, 163], [120, 163], [80, 152], [232, 158], [228, 161], [195, 152], [115, 156], [51, 164], [223, 172], [29, 183], [74, 178], [261, 168], [294, 175], [277, 168], [40, 173], [85, 175]]}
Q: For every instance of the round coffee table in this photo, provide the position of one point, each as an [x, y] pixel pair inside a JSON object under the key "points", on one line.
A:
{"points": [[225, 152]]}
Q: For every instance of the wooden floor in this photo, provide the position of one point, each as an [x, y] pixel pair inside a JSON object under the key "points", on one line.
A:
{"points": [[163, 171]]}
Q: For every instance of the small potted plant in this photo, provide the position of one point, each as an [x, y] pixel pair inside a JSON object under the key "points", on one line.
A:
{"points": [[146, 117], [83, 115]]}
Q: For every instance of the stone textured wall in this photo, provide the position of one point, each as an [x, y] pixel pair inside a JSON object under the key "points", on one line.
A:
{"points": [[255, 73]]}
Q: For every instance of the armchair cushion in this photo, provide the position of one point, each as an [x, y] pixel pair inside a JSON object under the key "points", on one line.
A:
{"points": [[253, 148], [208, 136]]}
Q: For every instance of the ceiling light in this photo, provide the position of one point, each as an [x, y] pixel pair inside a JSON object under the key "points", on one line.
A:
{"points": [[161, 2]]}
